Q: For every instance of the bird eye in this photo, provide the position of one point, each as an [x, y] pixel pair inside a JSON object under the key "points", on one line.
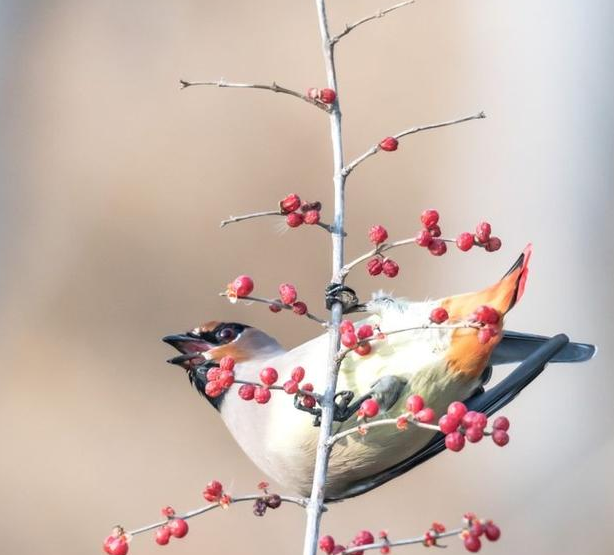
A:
{"points": [[227, 334]]}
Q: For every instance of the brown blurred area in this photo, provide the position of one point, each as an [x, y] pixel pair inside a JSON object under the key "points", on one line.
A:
{"points": [[113, 183]]}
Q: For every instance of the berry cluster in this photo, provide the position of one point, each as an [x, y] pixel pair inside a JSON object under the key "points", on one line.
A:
{"points": [[288, 296], [261, 393], [356, 339], [298, 213], [364, 537], [380, 264], [431, 535], [429, 236], [220, 378], [325, 96], [174, 528], [487, 318], [267, 501], [475, 528]]}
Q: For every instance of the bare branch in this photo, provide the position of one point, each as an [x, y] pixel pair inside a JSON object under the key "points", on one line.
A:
{"points": [[274, 87], [377, 15], [376, 148], [278, 303], [302, 502], [408, 541], [236, 219]]}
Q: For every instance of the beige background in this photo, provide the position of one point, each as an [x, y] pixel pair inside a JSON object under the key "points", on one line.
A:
{"points": [[113, 183]]}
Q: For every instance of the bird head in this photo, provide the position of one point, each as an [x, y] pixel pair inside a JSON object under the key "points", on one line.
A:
{"points": [[204, 346]]}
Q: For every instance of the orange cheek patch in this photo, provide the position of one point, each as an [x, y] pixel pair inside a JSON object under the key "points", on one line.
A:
{"points": [[230, 350], [467, 355]]}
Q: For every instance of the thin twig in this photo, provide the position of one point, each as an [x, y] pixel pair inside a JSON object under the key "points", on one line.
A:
{"points": [[376, 148], [278, 303], [301, 501], [377, 15], [305, 392], [274, 87], [236, 219], [408, 541]]}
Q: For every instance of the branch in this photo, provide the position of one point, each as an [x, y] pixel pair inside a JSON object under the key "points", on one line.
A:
{"points": [[236, 219], [376, 148], [304, 392], [377, 15], [279, 304], [302, 502], [274, 87], [408, 541]]}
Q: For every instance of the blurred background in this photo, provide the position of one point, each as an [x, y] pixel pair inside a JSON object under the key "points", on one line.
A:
{"points": [[113, 183]]}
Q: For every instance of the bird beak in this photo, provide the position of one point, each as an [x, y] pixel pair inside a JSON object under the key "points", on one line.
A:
{"points": [[193, 350]]}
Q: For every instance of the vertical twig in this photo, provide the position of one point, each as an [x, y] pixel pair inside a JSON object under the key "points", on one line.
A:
{"points": [[316, 503]]}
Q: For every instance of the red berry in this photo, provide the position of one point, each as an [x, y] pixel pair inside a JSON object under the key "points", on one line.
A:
{"points": [[477, 529], [346, 325], [289, 204], [338, 549], [307, 387], [390, 268], [482, 232], [439, 315], [414, 403], [168, 511], [500, 437], [313, 93], [294, 219], [262, 395], [299, 308], [287, 293], [472, 543], [457, 409], [487, 315], [377, 234], [213, 389], [493, 244], [464, 241], [163, 535], [246, 391], [448, 424], [243, 286], [374, 267], [473, 418], [227, 363], [501, 423], [455, 441], [307, 206], [275, 308], [369, 408], [365, 331], [178, 527], [327, 544], [226, 379], [312, 217], [492, 531], [438, 247], [298, 374], [424, 238], [115, 545], [328, 96], [213, 374], [429, 218], [309, 401], [389, 144], [213, 490], [268, 376], [473, 434], [349, 339], [426, 415], [402, 423], [485, 334], [435, 231], [364, 537], [291, 387], [363, 349]]}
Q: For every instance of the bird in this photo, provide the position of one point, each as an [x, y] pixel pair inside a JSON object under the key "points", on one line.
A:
{"points": [[440, 363]]}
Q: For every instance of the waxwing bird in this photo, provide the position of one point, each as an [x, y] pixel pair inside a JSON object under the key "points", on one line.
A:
{"points": [[439, 363]]}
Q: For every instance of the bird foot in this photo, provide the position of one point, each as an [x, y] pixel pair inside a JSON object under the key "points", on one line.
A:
{"points": [[338, 293]]}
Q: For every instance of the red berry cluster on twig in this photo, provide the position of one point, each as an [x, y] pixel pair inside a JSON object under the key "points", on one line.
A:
{"points": [[267, 501], [429, 236], [220, 378], [299, 213], [380, 264], [486, 318], [474, 529], [356, 339], [288, 296]]}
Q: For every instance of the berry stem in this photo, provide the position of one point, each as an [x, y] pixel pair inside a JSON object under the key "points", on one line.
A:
{"points": [[407, 541], [274, 87], [376, 148], [313, 394], [235, 219], [249, 298], [380, 13], [300, 501]]}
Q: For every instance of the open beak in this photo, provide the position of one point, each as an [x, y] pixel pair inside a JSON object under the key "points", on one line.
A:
{"points": [[191, 347]]}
